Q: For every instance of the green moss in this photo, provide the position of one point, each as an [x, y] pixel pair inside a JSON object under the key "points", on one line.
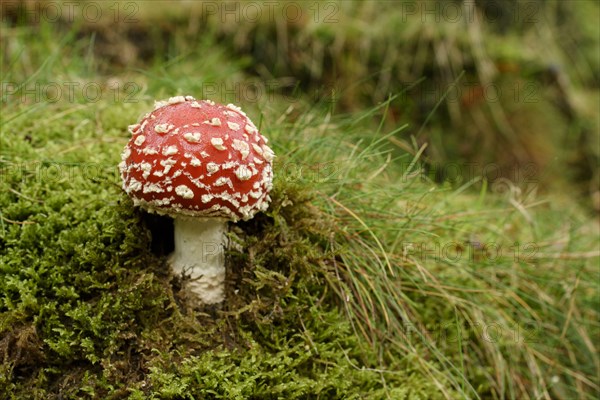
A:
{"points": [[88, 311]]}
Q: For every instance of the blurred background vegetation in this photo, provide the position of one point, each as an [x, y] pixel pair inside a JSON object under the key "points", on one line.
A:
{"points": [[504, 89]]}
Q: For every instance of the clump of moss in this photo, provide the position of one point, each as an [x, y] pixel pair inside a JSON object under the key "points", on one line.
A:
{"points": [[89, 311]]}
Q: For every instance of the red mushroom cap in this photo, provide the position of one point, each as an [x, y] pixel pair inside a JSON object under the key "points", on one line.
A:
{"points": [[197, 159]]}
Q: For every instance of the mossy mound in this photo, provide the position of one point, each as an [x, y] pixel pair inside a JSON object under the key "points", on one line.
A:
{"points": [[361, 281], [89, 311]]}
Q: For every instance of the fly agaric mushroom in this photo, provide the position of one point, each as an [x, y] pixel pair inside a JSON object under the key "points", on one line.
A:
{"points": [[203, 164]]}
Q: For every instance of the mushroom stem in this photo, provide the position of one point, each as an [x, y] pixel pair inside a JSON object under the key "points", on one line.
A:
{"points": [[200, 255]]}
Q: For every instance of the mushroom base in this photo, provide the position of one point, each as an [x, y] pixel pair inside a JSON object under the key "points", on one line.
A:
{"points": [[199, 257]]}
